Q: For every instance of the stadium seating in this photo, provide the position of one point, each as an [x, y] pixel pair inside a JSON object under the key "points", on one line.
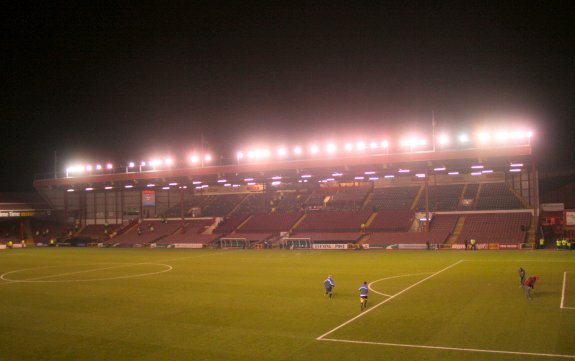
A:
{"points": [[333, 221], [350, 198], [508, 228], [149, 232], [441, 197], [273, 223], [494, 196], [392, 221], [392, 198], [221, 205]]}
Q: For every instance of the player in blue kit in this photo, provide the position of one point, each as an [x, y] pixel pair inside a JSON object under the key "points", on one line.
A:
{"points": [[329, 285], [363, 291]]}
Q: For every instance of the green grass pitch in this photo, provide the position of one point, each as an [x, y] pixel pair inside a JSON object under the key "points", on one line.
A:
{"points": [[167, 304]]}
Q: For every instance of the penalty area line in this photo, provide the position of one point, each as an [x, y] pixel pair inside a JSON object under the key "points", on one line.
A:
{"points": [[451, 348], [388, 299]]}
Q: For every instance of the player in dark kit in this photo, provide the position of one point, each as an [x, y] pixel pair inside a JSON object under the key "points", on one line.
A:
{"points": [[363, 291], [529, 284], [329, 285]]}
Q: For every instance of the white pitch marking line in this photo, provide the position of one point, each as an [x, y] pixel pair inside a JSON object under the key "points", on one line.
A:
{"points": [[169, 268], [388, 299], [390, 278], [451, 348]]}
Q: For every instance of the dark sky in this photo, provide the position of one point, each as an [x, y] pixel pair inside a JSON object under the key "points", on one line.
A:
{"points": [[121, 81]]}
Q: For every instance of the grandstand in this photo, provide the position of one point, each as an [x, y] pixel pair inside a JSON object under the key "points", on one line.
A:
{"points": [[440, 196]]}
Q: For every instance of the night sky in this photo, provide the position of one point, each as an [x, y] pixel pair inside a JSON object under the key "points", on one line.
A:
{"points": [[119, 81]]}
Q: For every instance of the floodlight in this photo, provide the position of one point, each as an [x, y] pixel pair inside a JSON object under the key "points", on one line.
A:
{"points": [[306, 176], [529, 134], [251, 183], [487, 171], [453, 173], [337, 174], [196, 182], [169, 161], [128, 186], [475, 173], [348, 147], [89, 189], [194, 159], [109, 166], [420, 175], [150, 185], [515, 170], [369, 172], [314, 149], [476, 167], [142, 164], [331, 148], [359, 178], [235, 185], [108, 187], [98, 167], [227, 185], [70, 190], [516, 164], [251, 154], [131, 165], [384, 143], [297, 150], [389, 176], [208, 158], [277, 177], [360, 145], [373, 145], [443, 139], [239, 155], [282, 152], [463, 138], [330, 179], [88, 168], [165, 188], [276, 183], [439, 169], [222, 181], [373, 178], [484, 137], [173, 184], [403, 171], [248, 179]]}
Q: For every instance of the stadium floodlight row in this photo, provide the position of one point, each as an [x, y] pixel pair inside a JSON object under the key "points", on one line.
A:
{"points": [[406, 145]]}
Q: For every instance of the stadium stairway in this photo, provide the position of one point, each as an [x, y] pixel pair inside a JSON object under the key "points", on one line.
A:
{"points": [[370, 219], [416, 199], [238, 228], [297, 223], [456, 230], [463, 191]]}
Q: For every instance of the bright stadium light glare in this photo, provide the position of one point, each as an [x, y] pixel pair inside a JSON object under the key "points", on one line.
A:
{"points": [[360, 146], [142, 164], [227, 185], [128, 186], [337, 174], [439, 169], [516, 164], [389, 176], [453, 173], [108, 188], [443, 139], [109, 166], [169, 161], [194, 159], [248, 179], [370, 172], [165, 188], [422, 142], [314, 149], [514, 170], [98, 167], [196, 182], [373, 178], [276, 183], [463, 138], [88, 189], [251, 183], [88, 168], [487, 171], [297, 151], [173, 184], [331, 148], [207, 158], [70, 190], [384, 144], [476, 173], [403, 171], [373, 145], [282, 152], [348, 147], [239, 155], [359, 178], [150, 185], [484, 137], [476, 167], [131, 165], [222, 181], [306, 176], [420, 175], [277, 177]]}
